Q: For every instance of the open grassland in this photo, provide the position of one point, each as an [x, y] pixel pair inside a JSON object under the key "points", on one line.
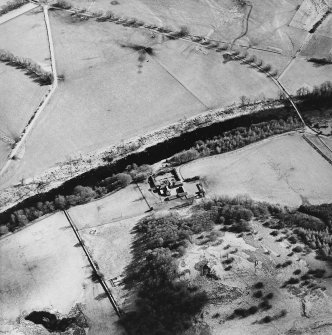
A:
{"points": [[201, 17], [303, 73], [26, 37], [123, 204], [44, 268], [325, 29], [283, 170], [268, 26], [111, 92], [20, 96], [106, 228]]}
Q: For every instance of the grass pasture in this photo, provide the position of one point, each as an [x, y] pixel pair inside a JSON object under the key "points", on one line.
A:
{"points": [[20, 96], [43, 268], [106, 228], [26, 36], [110, 93], [201, 17], [302, 73], [269, 28], [318, 46], [275, 170]]}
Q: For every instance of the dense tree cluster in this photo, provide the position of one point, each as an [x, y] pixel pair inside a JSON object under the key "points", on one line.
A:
{"points": [[44, 77], [323, 91], [11, 5], [234, 139], [312, 225]]}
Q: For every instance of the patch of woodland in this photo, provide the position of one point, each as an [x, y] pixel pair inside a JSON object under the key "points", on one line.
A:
{"points": [[166, 303], [235, 139]]}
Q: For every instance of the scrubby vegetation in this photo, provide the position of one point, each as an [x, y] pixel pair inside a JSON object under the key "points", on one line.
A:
{"points": [[29, 66], [63, 4], [235, 139], [11, 5], [165, 304]]}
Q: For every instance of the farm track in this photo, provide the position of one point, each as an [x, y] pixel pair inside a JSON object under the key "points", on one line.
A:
{"points": [[17, 12], [316, 147], [93, 265], [44, 101], [246, 25]]}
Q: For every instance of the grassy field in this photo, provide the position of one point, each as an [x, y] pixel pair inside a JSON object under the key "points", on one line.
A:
{"points": [[302, 73], [43, 268], [25, 36], [201, 17], [19, 98], [110, 93], [234, 288], [20, 95], [318, 46], [283, 170], [106, 227]]}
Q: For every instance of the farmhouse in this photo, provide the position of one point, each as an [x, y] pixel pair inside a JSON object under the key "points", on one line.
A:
{"points": [[170, 186]]}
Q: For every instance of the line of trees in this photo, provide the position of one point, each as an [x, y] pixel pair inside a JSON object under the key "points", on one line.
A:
{"points": [[320, 92], [11, 5], [31, 68], [79, 195], [235, 139]]}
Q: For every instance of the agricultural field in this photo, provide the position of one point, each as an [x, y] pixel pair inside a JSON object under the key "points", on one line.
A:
{"points": [[234, 242], [144, 82], [26, 36], [302, 73], [43, 268], [273, 170], [20, 94], [19, 98], [106, 228]]}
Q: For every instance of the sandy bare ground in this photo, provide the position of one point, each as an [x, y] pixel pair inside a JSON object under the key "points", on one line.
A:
{"points": [[43, 268], [283, 170]]}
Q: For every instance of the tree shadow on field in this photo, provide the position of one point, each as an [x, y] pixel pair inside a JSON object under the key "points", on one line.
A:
{"points": [[101, 296], [32, 75], [65, 228], [142, 51], [77, 245]]}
